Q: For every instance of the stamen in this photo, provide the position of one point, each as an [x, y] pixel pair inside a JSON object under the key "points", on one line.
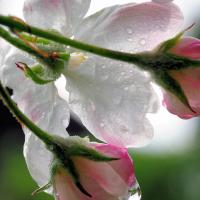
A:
{"points": [[76, 59]]}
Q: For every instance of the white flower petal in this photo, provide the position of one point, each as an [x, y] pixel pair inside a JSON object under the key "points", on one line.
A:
{"points": [[112, 99], [8, 7], [4, 48], [62, 15], [43, 106], [131, 27]]}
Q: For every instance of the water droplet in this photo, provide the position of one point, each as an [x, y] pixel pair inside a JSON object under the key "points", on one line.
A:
{"points": [[104, 77], [129, 31], [84, 108], [135, 192], [122, 73], [65, 120], [103, 66], [102, 125], [130, 39], [126, 88], [51, 147], [41, 152], [143, 41], [57, 196], [162, 1], [92, 106], [117, 100], [124, 129]]}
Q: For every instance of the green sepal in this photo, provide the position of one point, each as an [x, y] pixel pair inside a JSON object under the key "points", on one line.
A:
{"points": [[51, 59], [36, 73], [77, 146], [168, 44], [167, 82], [89, 154], [48, 70]]}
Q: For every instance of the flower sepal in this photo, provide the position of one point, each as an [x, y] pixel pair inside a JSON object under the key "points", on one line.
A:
{"points": [[76, 146], [36, 73]]}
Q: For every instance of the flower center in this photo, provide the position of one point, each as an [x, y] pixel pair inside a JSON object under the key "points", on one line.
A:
{"points": [[76, 59]]}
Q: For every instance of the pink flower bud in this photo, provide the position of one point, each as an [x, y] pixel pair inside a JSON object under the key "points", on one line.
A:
{"points": [[102, 180], [188, 78]]}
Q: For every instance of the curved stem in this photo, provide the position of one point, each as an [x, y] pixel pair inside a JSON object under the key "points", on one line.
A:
{"points": [[12, 23], [44, 136], [16, 42]]}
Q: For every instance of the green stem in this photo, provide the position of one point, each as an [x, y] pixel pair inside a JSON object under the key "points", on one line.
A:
{"points": [[12, 23], [45, 137], [17, 42]]}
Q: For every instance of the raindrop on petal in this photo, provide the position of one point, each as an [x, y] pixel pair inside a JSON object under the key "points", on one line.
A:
{"points": [[129, 31], [126, 88], [142, 41], [130, 39], [102, 124], [135, 192], [65, 121]]}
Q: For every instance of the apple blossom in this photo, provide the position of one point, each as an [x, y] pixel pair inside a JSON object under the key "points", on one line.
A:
{"points": [[188, 78], [111, 98], [79, 169]]}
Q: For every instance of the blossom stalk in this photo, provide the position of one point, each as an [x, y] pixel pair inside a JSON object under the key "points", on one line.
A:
{"points": [[13, 24], [150, 60]]}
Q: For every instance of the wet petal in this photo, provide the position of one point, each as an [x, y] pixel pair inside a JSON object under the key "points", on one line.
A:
{"points": [[189, 80], [65, 189], [112, 99], [42, 105], [4, 48], [123, 166], [61, 15], [131, 27], [103, 174], [175, 106], [188, 47], [13, 7]]}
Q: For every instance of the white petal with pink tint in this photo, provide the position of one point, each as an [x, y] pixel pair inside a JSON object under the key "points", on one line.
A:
{"points": [[61, 15], [131, 27], [112, 99], [123, 166], [65, 189], [42, 105]]}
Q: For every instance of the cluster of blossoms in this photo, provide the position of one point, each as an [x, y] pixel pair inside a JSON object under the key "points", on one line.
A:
{"points": [[111, 98]]}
